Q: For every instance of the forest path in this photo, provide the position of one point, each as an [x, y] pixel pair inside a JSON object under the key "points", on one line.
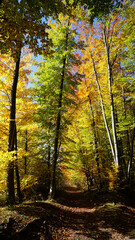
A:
{"points": [[96, 216], [76, 215]]}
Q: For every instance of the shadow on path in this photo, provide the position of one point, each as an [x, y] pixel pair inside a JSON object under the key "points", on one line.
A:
{"points": [[78, 215]]}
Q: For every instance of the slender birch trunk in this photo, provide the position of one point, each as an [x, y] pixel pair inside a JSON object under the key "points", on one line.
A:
{"points": [[103, 112], [107, 47]]}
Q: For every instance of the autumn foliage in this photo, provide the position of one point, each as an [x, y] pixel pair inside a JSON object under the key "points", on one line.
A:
{"points": [[67, 116]]}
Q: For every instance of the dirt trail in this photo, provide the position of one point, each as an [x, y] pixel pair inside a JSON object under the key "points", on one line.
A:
{"points": [[79, 216], [96, 216]]}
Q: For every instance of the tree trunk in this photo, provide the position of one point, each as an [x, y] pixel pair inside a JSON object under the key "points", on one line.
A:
{"points": [[103, 112], [107, 47], [1, 2], [89, 179], [10, 183], [10, 167], [129, 146], [26, 149], [95, 137], [122, 163], [55, 157], [58, 122], [17, 169], [130, 164], [48, 163]]}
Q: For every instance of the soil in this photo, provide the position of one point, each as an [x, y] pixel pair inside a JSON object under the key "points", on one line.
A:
{"points": [[76, 215]]}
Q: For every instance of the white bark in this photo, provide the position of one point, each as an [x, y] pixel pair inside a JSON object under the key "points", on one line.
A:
{"points": [[111, 99], [103, 112]]}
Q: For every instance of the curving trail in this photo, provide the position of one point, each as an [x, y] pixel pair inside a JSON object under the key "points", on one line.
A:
{"points": [[94, 216], [77, 215]]}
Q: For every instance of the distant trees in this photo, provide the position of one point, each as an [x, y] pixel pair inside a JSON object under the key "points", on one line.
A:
{"points": [[56, 86], [105, 76]]}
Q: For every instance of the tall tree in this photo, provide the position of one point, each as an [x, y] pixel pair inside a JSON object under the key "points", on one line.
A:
{"points": [[7, 72], [27, 34], [12, 136], [58, 93]]}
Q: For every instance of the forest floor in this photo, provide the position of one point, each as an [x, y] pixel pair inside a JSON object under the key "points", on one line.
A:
{"points": [[76, 215]]}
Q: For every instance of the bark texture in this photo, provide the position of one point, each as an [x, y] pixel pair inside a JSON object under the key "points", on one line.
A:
{"points": [[10, 167], [110, 82], [17, 169], [103, 111]]}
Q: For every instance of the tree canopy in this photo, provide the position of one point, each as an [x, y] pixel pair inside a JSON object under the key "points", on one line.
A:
{"points": [[72, 120]]}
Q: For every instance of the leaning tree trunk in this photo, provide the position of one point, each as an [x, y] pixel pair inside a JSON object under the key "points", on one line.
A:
{"points": [[103, 112], [107, 47], [10, 167]]}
